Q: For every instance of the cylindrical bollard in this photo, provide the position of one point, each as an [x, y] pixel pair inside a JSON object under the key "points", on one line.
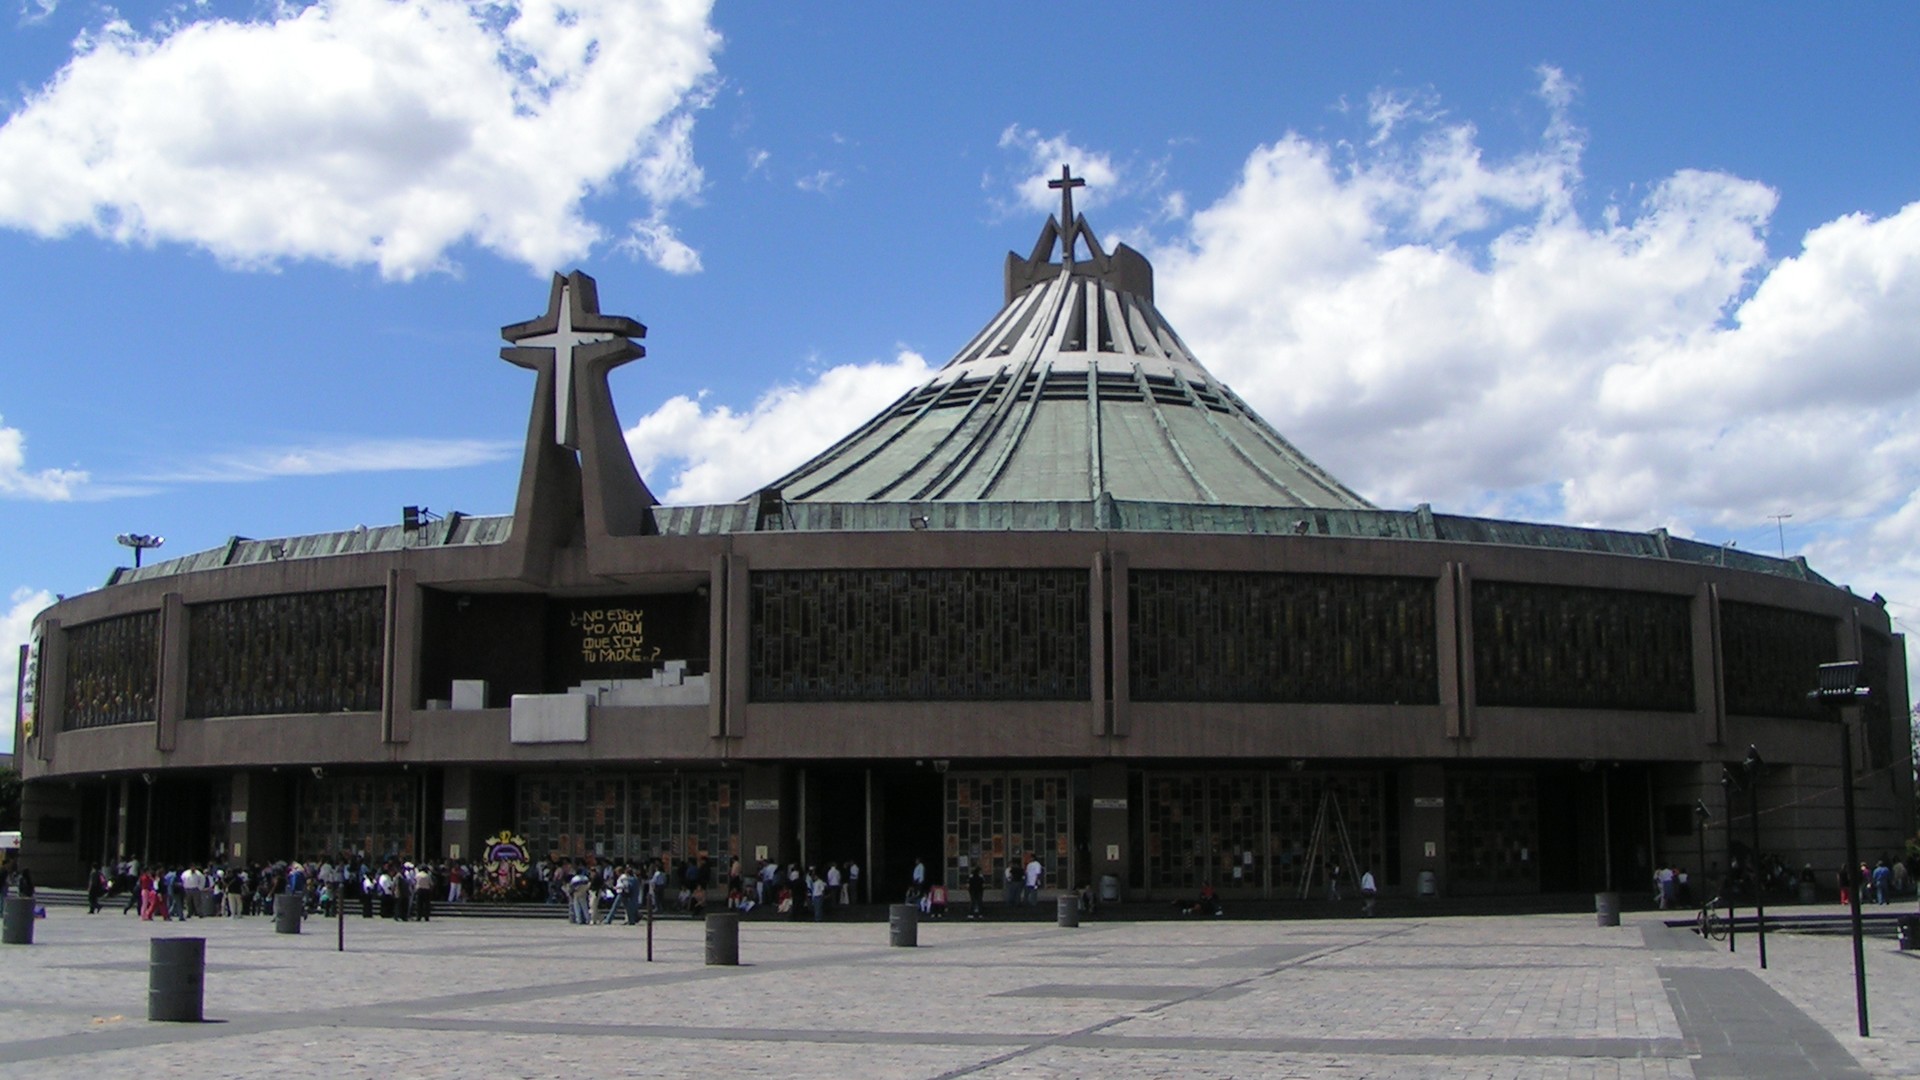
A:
{"points": [[1069, 911], [176, 979], [1606, 908], [903, 925], [287, 909], [16, 925], [723, 939]]}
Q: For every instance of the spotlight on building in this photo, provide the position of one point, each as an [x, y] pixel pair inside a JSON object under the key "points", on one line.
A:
{"points": [[139, 542], [919, 522]]}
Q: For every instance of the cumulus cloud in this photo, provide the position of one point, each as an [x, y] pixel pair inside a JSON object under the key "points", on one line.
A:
{"points": [[654, 240], [1040, 158], [1437, 324], [701, 454], [16, 625], [18, 482], [364, 132]]}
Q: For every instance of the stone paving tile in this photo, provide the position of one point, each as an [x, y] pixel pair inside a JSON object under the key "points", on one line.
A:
{"points": [[1523, 996], [1062, 1063]]}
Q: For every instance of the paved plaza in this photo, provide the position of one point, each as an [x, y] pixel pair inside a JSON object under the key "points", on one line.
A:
{"points": [[1521, 996]]}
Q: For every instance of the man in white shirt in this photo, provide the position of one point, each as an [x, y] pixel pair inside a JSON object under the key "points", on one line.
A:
{"points": [[1034, 873]]}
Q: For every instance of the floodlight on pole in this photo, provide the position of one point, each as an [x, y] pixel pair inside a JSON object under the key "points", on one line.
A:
{"points": [[139, 542], [1753, 765], [1839, 687]]}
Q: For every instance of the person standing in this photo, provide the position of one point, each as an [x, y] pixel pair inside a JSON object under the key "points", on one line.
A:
{"points": [[1010, 883], [1368, 892], [976, 892], [919, 885], [96, 888], [1035, 872], [853, 882], [817, 891]]}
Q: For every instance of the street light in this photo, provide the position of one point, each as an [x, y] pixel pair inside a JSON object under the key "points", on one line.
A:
{"points": [[1701, 815], [1840, 687], [139, 542], [1727, 881], [1752, 766]]}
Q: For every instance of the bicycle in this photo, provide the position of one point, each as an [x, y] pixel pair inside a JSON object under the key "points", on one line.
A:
{"points": [[1711, 925]]}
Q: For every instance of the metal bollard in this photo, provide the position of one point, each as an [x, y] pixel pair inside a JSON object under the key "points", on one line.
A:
{"points": [[287, 909], [903, 925], [176, 979], [1069, 911], [1606, 908], [723, 939], [16, 925]]}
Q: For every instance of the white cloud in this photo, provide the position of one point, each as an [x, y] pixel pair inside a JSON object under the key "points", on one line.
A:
{"points": [[16, 482], [364, 132], [1042, 158], [655, 241], [33, 12], [1437, 324], [756, 159], [819, 183], [706, 455], [354, 456], [16, 624]]}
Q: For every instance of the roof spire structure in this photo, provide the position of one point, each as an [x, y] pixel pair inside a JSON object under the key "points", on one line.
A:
{"points": [[1078, 390], [1065, 186]]}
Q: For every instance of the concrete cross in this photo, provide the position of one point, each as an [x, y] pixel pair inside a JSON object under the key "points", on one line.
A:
{"points": [[1065, 186], [563, 341]]}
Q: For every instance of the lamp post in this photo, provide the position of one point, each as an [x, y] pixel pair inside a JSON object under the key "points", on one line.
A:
{"points": [[1727, 881], [1752, 766], [1700, 816], [1840, 687], [139, 542]]}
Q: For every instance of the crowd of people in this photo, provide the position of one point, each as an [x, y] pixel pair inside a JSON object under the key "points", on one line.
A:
{"points": [[1881, 882]]}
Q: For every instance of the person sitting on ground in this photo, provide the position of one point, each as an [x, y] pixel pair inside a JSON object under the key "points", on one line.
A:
{"points": [[1208, 902]]}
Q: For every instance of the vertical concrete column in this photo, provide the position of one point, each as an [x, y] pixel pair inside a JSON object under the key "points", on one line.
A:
{"points": [[739, 580], [400, 673], [1423, 822], [50, 708], [1121, 689], [171, 698], [1463, 636], [1097, 627], [1709, 676], [1112, 853], [51, 810], [718, 672], [1446, 627], [456, 813], [260, 823], [764, 816]]}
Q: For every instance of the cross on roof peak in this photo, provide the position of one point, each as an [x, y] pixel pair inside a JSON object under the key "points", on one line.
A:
{"points": [[1065, 186]]}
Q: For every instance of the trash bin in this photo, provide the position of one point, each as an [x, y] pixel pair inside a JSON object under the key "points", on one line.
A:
{"points": [[1429, 883], [903, 925], [1109, 889], [287, 909], [16, 925], [1068, 910], [1909, 933], [209, 903], [723, 939], [176, 979], [1606, 907]]}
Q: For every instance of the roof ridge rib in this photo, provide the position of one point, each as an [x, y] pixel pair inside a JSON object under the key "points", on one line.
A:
{"points": [[979, 400], [1207, 415], [1166, 430], [922, 411], [1013, 441], [1308, 467]]}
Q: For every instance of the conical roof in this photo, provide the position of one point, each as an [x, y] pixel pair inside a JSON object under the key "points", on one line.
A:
{"points": [[1077, 389]]}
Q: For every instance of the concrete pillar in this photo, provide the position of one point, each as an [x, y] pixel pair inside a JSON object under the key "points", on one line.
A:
{"points": [[764, 816], [1112, 851], [171, 698], [260, 823], [457, 840], [50, 833], [1423, 825]]}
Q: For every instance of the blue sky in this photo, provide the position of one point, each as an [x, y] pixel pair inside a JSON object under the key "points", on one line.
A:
{"points": [[1626, 265]]}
